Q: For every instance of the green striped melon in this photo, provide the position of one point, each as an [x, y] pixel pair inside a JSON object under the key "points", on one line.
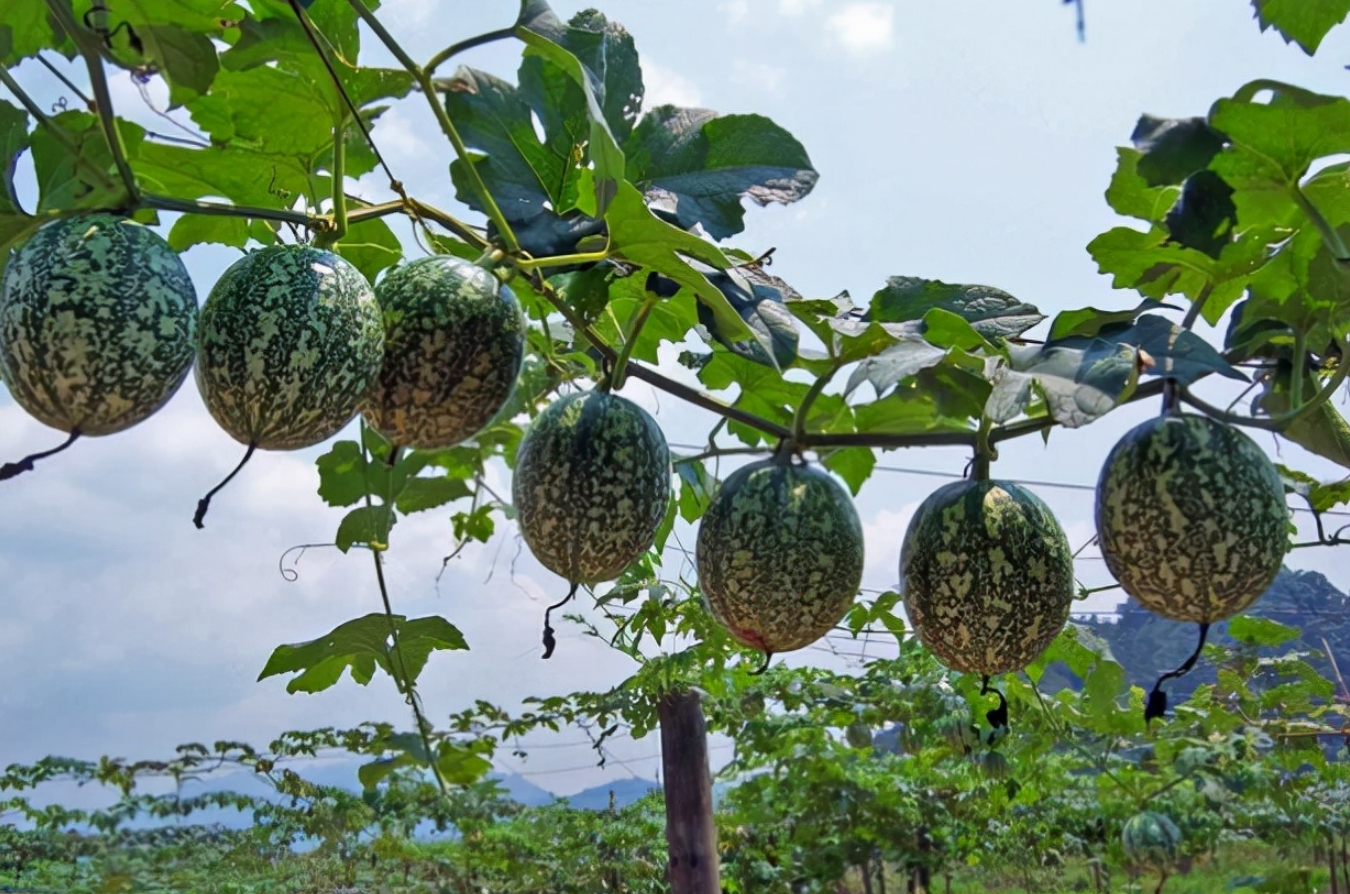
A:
{"points": [[1191, 518], [591, 485], [97, 324], [780, 555], [986, 574], [454, 341], [290, 340], [1150, 838]]}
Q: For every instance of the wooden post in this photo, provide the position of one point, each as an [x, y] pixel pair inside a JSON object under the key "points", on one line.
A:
{"points": [[690, 834]]}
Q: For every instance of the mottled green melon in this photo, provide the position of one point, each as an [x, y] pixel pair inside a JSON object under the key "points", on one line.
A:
{"points": [[591, 485], [987, 576], [290, 340], [780, 555], [1191, 518], [454, 340], [97, 324], [1150, 838]]}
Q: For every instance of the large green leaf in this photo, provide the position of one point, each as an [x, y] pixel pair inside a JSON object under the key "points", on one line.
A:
{"points": [[27, 28], [1273, 143], [13, 141], [363, 645], [1080, 379], [85, 178], [698, 166], [993, 312], [1305, 22], [761, 306], [1171, 150]]}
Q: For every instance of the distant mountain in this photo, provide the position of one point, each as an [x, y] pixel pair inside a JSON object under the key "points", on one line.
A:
{"points": [[626, 791], [1147, 645], [522, 791]]}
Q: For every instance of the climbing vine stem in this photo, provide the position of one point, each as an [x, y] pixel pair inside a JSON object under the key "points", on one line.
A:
{"points": [[428, 88], [98, 81]]}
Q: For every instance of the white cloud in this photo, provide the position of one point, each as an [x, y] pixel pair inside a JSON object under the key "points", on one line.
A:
{"points": [[863, 29], [736, 11], [796, 7], [664, 85], [760, 74]]}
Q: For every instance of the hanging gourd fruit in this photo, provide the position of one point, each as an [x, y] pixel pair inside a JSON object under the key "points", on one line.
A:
{"points": [[1191, 520], [290, 340], [454, 341], [779, 554], [986, 575], [590, 488], [98, 318]]}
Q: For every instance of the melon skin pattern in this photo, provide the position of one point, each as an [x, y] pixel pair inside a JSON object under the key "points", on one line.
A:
{"points": [[986, 574], [98, 321], [591, 485], [780, 555], [454, 344], [1150, 838], [1191, 518], [289, 342]]}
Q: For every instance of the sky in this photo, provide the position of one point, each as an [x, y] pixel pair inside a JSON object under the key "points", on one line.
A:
{"points": [[968, 141]]}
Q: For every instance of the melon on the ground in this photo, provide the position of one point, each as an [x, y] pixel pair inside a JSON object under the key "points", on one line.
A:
{"points": [[1150, 838], [454, 341], [98, 321], [290, 339], [591, 485], [779, 554], [1191, 518], [986, 574]]}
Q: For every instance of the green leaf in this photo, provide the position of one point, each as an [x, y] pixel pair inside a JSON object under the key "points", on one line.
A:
{"points": [[362, 645], [371, 246], [761, 308], [27, 29], [904, 358], [1080, 379], [86, 178], [1171, 150], [853, 464], [608, 54], [1131, 195], [13, 141], [1272, 144], [698, 166], [1323, 431], [1175, 352], [342, 474], [639, 236], [420, 494], [196, 229], [1301, 21], [992, 312], [1261, 631], [186, 59], [369, 525], [1090, 321], [607, 162], [696, 489]]}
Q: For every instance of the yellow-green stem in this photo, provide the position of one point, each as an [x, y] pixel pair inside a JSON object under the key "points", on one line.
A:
{"points": [[985, 451], [455, 49], [589, 257], [640, 316], [799, 418], [328, 237]]}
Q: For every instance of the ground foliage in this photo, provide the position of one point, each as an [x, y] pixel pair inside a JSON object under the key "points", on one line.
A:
{"points": [[611, 223]]}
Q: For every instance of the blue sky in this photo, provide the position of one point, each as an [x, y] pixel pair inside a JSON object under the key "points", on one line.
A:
{"points": [[968, 140]]}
